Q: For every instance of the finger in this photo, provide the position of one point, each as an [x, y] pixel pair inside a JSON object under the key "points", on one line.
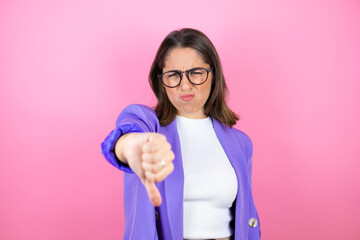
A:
{"points": [[154, 164], [164, 154], [160, 176], [154, 143], [153, 167], [153, 192]]}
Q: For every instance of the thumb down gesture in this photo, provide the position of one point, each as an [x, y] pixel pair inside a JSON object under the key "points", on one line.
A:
{"points": [[150, 156]]}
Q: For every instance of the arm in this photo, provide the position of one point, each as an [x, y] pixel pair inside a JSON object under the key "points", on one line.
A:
{"points": [[120, 147], [248, 147], [134, 118], [135, 147], [108, 145]]}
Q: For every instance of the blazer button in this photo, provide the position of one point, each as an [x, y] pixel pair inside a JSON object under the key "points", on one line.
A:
{"points": [[253, 222]]}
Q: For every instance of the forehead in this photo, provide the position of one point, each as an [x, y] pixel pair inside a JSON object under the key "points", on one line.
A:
{"points": [[183, 58]]}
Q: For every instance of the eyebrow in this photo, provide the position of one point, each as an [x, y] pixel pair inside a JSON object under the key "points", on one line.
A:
{"points": [[176, 70]]}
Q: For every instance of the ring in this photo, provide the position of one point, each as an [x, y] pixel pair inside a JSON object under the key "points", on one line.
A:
{"points": [[162, 163]]}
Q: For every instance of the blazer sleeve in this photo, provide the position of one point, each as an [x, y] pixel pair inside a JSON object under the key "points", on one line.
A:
{"points": [[134, 118], [247, 147]]}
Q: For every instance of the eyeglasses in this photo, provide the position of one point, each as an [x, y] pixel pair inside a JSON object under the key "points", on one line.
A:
{"points": [[196, 76]]}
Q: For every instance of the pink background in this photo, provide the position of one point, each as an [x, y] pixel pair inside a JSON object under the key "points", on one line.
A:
{"points": [[67, 68]]}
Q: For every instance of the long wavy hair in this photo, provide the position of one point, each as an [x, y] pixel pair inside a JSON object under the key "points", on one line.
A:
{"points": [[215, 106]]}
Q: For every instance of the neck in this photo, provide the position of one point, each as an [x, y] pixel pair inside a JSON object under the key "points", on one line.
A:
{"points": [[200, 115]]}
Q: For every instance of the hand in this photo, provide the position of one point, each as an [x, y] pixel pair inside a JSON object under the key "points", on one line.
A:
{"points": [[149, 155]]}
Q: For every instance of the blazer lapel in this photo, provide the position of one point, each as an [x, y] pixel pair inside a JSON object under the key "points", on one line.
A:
{"points": [[174, 184], [234, 151]]}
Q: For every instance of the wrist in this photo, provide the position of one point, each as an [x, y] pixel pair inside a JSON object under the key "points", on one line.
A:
{"points": [[119, 149]]}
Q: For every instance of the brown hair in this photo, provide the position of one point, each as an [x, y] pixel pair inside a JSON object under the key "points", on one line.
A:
{"points": [[215, 106]]}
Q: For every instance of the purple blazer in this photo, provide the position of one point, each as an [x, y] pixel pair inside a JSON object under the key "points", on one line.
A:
{"points": [[143, 221]]}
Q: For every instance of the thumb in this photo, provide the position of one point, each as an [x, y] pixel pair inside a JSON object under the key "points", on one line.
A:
{"points": [[153, 192]]}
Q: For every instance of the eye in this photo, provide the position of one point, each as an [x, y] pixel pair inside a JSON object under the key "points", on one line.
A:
{"points": [[173, 74], [197, 72]]}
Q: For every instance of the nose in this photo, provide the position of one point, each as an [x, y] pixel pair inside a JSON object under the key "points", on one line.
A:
{"points": [[185, 84]]}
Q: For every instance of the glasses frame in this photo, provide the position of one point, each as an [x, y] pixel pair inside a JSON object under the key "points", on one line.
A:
{"points": [[180, 73]]}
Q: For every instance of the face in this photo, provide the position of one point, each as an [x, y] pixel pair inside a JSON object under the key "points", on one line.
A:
{"points": [[188, 99]]}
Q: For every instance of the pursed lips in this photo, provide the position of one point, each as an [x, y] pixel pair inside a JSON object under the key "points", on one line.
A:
{"points": [[187, 97]]}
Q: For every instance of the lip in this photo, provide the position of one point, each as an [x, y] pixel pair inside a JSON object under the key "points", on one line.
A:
{"points": [[187, 97]]}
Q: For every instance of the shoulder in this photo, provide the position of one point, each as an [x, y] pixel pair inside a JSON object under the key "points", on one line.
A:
{"points": [[241, 135], [137, 110], [243, 139], [139, 114], [234, 134]]}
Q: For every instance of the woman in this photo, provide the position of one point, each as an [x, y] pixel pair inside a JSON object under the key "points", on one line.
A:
{"points": [[187, 171]]}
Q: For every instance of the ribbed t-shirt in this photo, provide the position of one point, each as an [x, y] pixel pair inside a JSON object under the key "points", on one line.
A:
{"points": [[210, 183]]}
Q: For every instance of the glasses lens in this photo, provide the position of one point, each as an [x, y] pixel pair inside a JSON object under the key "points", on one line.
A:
{"points": [[171, 79], [198, 75]]}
